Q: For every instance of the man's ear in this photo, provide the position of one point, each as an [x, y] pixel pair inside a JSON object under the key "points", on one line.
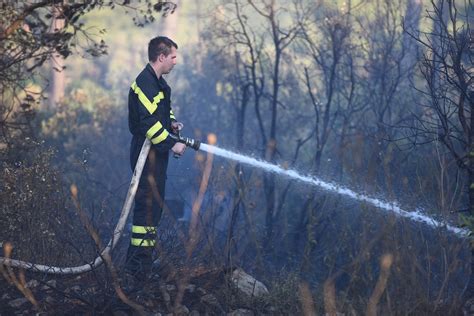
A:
{"points": [[161, 57]]}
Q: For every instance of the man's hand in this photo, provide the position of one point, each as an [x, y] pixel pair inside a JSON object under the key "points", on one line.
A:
{"points": [[176, 126], [178, 148]]}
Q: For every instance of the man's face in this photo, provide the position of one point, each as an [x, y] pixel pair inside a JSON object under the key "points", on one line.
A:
{"points": [[169, 61]]}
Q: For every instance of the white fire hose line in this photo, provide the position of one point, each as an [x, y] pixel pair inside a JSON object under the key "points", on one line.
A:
{"points": [[132, 190]]}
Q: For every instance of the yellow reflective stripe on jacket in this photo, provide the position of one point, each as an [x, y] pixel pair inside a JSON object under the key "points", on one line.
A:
{"points": [[150, 106], [144, 229], [143, 99], [158, 97], [152, 131], [142, 242], [172, 115], [158, 139]]}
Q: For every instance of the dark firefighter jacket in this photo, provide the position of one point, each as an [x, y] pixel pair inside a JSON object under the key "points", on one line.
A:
{"points": [[150, 115]]}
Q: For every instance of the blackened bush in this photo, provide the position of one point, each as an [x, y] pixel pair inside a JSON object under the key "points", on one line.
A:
{"points": [[35, 215]]}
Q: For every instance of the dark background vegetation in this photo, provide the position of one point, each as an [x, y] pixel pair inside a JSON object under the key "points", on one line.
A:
{"points": [[375, 95]]}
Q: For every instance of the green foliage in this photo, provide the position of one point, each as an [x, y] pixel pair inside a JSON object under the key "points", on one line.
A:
{"points": [[467, 221]]}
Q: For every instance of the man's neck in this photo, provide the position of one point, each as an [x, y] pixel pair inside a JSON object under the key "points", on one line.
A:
{"points": [[157, 70]]}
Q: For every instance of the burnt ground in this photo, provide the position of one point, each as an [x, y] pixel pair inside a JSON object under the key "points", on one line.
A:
{"points": [[196, 292]]}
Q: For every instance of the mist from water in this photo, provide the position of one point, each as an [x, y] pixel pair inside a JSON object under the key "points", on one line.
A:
{"points": [[391, 206]]}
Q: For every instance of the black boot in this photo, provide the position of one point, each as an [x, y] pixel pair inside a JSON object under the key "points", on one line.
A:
{"points": [[139, 262]]}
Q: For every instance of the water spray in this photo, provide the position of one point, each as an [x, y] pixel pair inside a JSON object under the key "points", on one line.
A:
{"points": [[392, 207]]}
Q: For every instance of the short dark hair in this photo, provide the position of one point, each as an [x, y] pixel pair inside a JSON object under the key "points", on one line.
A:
{"points": [[160, 45]]}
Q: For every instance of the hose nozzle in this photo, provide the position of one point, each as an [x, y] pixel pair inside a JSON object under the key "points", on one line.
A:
{"points": [[194, 144]]}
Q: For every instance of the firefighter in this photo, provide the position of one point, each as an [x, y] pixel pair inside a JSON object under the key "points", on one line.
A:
{"points": [[151, 116]]}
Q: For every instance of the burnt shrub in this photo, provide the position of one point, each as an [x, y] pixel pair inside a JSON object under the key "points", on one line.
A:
{"points": [[36, 214]]}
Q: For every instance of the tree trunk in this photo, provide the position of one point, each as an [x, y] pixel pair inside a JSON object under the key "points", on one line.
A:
{"points": [[469, 293], [238, 169], [270, 199], [311, 241], [271, 148], [412, 24], [57, 63]]}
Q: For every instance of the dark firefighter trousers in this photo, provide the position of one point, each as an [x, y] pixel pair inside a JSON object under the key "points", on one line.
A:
{"points": [[147, 211]]}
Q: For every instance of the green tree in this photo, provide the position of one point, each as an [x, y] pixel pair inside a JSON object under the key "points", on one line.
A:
{"points": [[28, 39]]}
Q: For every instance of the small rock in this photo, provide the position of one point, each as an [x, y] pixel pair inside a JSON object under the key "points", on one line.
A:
{"points": [[49, 285], [170, 287], [209, 299], [148, 303], [166, 296], [92, 290], [201, 291], [50, 300], [271, 309], [181, 310], [18, 302], [248, 284], [194, 313], [6, 296], [32, 284], [212, 302], [73, 301], [241, 312], [75, 289], [191, 288]]}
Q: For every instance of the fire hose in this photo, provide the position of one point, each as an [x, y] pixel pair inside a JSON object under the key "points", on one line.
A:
{"points": [[132, 190]]}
